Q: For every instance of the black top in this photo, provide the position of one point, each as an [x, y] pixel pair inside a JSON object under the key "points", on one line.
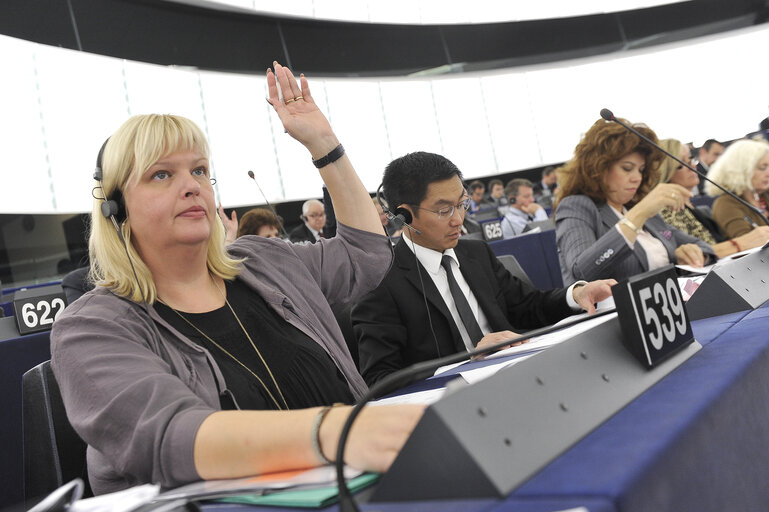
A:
{"points": [[303, 370]]}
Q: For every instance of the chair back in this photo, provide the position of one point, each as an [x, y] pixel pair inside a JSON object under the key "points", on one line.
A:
{"points": [[537, 254], [543, 225], [706, 210], [703, 200], [489, 212], [512, 266], [53, 453], [478, 235]]}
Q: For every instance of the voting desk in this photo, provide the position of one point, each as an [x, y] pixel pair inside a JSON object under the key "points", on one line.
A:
{"points": [[696, 440]]}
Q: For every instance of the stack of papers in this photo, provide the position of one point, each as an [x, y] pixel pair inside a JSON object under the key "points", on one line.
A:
{"points": [[303, 487], [723, 261], [314, 487]]}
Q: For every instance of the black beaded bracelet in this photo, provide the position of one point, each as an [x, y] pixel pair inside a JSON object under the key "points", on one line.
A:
{"points": [[315, 435], [333, 155]]}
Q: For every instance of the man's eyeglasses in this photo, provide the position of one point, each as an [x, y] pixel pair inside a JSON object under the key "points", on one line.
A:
{"points": [[447, 211]]}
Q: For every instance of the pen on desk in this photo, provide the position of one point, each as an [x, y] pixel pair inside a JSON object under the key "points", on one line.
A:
{"points": [[750, 221]]}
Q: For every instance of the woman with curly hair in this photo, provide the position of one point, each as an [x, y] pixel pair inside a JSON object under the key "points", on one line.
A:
{"points": [[606, 214], [744, 170]]}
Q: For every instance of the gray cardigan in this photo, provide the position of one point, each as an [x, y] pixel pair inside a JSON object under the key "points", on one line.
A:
{"points": [[590, 247], [136, 390]]}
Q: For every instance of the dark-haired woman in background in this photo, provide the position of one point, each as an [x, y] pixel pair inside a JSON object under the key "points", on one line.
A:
{"points": [[606, 213]]}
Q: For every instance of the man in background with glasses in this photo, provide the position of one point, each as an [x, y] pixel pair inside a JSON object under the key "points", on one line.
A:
{"points": [[313, 218], [444, 294]]}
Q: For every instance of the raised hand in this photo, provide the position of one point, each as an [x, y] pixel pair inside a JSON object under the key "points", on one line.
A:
{"points": [[230, 224], [666, 195], [298, 112], [303, 120]]}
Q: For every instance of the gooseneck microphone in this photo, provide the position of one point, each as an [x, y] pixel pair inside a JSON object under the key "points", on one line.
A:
{"points": [[609, 116], [282, 229], [422, 370]]}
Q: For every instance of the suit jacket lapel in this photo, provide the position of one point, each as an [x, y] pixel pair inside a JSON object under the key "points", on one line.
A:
{"points": [[407, 262], [481, 287], [609, 219]]}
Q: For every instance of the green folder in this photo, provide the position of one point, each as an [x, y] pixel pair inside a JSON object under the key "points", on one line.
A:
{"points": [[306, 498]]}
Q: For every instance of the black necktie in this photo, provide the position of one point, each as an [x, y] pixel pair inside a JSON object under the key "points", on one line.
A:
{"points": [[463, 307]]}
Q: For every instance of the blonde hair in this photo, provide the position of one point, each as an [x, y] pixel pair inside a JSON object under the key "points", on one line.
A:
{"points": [[669, 166], [136, 146], [734, 169]]}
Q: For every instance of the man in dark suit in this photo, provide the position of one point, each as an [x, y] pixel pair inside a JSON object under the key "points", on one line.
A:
{"points": [[313, 219], [544, 189], [706, 156], [496, 194], [420, 311]]}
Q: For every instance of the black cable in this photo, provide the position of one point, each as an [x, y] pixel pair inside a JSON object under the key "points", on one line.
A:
{"points": [[277, 217], [424, 295]]}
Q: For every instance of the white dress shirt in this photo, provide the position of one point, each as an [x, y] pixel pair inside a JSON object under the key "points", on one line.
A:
{"points": [[314, 232], [516, 219], [431, 260], [656, 254]]}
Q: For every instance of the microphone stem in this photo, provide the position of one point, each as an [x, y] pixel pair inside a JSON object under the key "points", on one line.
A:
{"points": [[728, 192], [282, 228]]}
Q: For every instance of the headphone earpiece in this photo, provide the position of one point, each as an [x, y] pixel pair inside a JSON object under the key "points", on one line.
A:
{"points": [[113, 206], [407, 217], [511, 200], [401, 216]]}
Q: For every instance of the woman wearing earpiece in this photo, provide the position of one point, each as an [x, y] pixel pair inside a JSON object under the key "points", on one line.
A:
{"points": [[208, 364]]}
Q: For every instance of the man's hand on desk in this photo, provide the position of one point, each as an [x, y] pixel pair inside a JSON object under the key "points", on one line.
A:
{"points": [[493, 338], [595, 291]]}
